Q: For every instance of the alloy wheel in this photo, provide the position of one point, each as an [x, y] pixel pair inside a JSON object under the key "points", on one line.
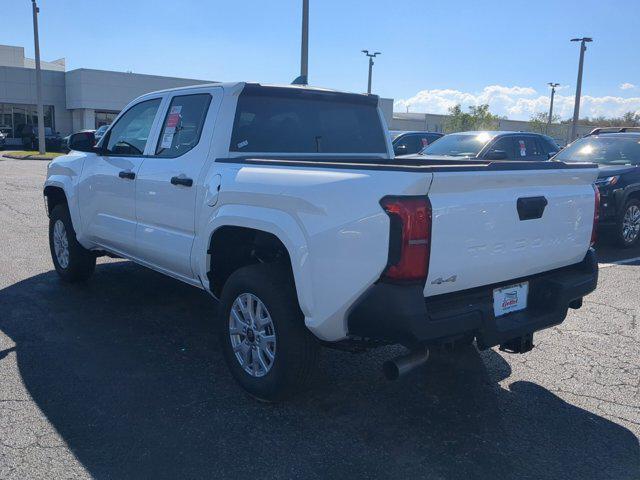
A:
{"points": [[631, 224], [252, 334], [61, 244]]}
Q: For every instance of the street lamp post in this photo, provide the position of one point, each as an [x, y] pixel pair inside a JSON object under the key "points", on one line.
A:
{"points": [[553, 93], [41, 145], [576, 108], [303, 78], [371, 57]]}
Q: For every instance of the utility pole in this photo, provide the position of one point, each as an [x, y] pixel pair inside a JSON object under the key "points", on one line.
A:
{"points": [[303, 79], [553, 93], [371, 57], [38, 79], [576, 108]]}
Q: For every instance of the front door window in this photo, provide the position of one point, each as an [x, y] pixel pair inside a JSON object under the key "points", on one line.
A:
{"points": [[130, 133]]}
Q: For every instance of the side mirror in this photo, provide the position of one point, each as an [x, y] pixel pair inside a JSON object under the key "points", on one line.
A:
{"points": [[82, 142], [400, 149], [496, 155]]}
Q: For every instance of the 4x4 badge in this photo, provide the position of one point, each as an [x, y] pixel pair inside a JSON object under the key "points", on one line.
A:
{"points": [[439, 280]]}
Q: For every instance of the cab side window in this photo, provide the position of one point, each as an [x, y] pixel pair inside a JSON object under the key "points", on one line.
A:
{"points": [[183, 124], [548, 146], [413, 143], [503, 144], [527, 148], [130, 133]]}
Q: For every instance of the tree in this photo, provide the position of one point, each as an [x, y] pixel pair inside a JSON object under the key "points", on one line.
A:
{"points": [[458, 120], [629, 119], [478, 118], [538, 122]]}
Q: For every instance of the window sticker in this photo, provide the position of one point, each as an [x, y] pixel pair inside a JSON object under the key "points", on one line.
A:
{"points": [[243, 144], [167, 140], [170, 126], [523, 148]]}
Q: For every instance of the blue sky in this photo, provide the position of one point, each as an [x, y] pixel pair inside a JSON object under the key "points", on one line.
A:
{"points": [[434, 54]]}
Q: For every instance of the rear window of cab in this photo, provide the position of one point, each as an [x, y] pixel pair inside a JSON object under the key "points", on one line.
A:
{"points": [[288, 120]]}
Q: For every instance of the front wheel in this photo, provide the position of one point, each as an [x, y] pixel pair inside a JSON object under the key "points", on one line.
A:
{"points": [[72, 261], [266, 345], [628, 228]]}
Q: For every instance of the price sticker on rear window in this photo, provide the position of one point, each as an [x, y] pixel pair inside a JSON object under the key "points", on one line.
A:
{"points": [[171, 124], [173, 119], [523, 148]]}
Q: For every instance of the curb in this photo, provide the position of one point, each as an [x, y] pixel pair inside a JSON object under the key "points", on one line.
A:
{"points": [[26, 157]]}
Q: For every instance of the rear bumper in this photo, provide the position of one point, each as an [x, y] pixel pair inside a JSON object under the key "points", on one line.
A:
{"points": [[401, 314]]}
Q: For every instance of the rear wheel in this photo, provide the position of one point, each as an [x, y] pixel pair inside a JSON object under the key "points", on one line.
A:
{"points": [[628, 227], [72, 261], [266, 345]]}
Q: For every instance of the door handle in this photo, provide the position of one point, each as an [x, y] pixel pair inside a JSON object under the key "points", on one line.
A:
{"points": [[187, 182], [127, 174]]}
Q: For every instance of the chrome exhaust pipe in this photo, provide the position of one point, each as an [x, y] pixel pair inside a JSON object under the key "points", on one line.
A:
{"points": [[399, 366]]}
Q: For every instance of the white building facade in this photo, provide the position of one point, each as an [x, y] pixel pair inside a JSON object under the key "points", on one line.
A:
{"points": [[74, 100]]}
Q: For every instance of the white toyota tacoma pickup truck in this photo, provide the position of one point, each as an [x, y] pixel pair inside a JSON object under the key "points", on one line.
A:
{"points": [[286, 204]]}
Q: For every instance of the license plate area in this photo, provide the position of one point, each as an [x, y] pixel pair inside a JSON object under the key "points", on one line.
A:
{"points": [[511, 298]]}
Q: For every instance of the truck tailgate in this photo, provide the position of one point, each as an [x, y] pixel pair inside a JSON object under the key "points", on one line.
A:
{"points": [[483, 234]]}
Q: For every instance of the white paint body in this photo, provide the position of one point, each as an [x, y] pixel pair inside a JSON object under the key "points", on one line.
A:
{"points": [[329, 219]]}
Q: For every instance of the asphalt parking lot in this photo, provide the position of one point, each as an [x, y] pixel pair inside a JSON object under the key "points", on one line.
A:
{"points": [[122, 378]]}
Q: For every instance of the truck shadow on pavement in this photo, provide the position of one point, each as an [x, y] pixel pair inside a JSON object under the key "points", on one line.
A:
{"points": [[128, 371]]}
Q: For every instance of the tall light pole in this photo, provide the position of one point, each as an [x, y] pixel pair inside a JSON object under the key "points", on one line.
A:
{"points": [[553, 93], [371, 57], [303, 79], [38, 79], [576, 108]]}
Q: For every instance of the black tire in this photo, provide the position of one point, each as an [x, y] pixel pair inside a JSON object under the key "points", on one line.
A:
{"points": [[621, 240], [296, 349], [81, 262]]}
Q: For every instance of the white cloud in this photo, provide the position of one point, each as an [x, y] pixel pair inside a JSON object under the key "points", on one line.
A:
{"points": [[627, 86], [516, 102]]}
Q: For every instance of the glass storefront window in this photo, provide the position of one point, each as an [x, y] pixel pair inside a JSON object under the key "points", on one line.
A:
{"points": [[13, 116], [105, 118], [19, 119]]}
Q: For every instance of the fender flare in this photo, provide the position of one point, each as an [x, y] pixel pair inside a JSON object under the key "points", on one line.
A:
{"points": [[276, 222], [627, 192], [64, 183]]}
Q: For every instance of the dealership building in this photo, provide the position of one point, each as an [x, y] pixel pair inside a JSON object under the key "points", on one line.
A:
{"points": [[73, 100], [76, 99]]}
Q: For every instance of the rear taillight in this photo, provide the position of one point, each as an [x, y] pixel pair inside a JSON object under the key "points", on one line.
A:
{"points": [[596, 216], [409, 239]]}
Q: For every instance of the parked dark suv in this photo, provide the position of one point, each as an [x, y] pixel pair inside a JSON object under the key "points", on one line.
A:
{"points": [[493, 146], [29, 135], [406, 143], [617, 153]]}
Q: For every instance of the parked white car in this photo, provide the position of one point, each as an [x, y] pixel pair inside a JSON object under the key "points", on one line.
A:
{"points": [[286, 204]]}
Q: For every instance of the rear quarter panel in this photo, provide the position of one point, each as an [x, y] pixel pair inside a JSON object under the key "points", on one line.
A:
{"points": [[330, 220]]}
